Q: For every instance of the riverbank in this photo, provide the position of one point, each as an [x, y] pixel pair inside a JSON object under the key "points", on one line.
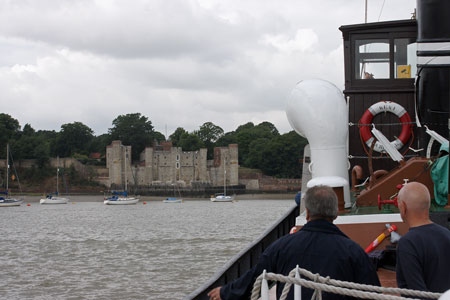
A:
{"points": [[34, 198]]}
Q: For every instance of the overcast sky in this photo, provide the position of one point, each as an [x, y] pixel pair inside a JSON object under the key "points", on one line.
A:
{"points": [[179, 62]]}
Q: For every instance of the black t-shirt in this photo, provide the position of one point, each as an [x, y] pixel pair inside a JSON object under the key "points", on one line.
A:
{"points": [[423, 259]]}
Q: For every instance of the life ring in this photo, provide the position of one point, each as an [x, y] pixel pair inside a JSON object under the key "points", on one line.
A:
{"points": [[385, 106]]}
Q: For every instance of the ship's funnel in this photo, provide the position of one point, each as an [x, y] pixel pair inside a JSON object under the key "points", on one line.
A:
{"points": [[317, 110]]}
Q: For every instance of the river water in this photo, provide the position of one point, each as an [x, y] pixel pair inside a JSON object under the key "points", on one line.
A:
{"points": [[88, 250]]}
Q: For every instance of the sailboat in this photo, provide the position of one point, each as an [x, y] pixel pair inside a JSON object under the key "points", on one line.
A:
{"points": [[5, 200], [174, 199], [121, 198], [223, 197], [55, 199]]}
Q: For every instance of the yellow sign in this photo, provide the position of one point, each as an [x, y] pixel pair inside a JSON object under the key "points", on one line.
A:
{"points": [[404, 71]]}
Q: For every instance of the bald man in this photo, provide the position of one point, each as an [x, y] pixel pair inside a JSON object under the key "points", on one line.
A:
{"points": [[423, 254]]}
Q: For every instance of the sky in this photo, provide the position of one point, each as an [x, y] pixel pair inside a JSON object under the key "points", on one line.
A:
{"points": [[180, 63]]}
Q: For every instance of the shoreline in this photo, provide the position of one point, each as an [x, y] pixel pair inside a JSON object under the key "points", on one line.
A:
{"points": [[33, 198]]}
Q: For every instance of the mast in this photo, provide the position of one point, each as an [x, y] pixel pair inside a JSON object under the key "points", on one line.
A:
{"points": [[7, 166], [57, 174], [126, 185], [225, 177]]}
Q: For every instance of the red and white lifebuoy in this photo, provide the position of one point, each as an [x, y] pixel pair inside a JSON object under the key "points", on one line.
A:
{"points": [[385, 106]]}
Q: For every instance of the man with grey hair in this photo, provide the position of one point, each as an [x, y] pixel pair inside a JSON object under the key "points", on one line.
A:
{"points": [[319, 247]]}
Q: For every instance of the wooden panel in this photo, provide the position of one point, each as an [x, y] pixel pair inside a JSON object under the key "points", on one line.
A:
{"points": [[359, 103]]}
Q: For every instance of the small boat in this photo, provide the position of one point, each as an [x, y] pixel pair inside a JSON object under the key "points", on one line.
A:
{"points": [[120, 198], [55, 199], [5, 200], [172, 200], [222, 197], [51, 199]]}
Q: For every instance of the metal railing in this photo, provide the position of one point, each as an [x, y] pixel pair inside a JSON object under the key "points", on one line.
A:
{"points": [[248, 257]]}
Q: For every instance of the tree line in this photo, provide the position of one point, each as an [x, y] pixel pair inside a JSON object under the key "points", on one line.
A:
{"points": [[261, 146]]}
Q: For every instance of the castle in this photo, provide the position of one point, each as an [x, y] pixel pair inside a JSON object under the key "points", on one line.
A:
{"points": [[167, 165]]}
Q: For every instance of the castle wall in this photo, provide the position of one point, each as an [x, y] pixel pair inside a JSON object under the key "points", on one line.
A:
{"points": [[165, 165]]}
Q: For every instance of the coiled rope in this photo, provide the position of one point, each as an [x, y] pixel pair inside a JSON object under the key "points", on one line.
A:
{"points": [[324, 284]]}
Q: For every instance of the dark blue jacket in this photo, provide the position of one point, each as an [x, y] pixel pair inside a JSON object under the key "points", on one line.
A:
{"points": [[319, 247]]}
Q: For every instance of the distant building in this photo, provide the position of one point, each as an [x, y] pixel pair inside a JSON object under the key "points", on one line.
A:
{"points": [[164, 164], [95, 155]]}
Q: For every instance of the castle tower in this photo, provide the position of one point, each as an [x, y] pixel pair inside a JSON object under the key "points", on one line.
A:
{"points": [[118, 161], [233, 167]]}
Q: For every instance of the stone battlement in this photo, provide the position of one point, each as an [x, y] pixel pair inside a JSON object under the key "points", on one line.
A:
{"points": [[171, 165]]}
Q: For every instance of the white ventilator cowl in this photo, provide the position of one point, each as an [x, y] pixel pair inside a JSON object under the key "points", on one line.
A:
{"points": [[317, 110]]}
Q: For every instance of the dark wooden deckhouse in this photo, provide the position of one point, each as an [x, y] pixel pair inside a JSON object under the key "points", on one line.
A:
{"points": [[380, 65]]}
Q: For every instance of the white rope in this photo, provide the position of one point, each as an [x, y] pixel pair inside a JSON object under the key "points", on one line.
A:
{"points": [[324, 284]]}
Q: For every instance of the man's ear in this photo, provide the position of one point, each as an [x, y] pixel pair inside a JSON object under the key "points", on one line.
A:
{"points": [[307, 214], [402, 208]]}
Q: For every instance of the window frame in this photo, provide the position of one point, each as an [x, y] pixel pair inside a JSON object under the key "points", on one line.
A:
{"points": [[391, 81]]}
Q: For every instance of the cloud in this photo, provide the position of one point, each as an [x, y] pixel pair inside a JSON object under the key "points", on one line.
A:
{"points": [[304, 40], [180, 63]]}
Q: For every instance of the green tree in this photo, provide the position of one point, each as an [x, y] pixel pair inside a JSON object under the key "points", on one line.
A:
{"points": [[291, 153], [247, 133], [190, 142], [257, 149], [51, 137], [209, 134], [9, 129], [134, 130], [28, 130], [279, 156], [41, 153], [226, 139], [176, 136], [74, 138], [158, 136], [268, 127], [99, 143], [24, 147], [246, 126]]}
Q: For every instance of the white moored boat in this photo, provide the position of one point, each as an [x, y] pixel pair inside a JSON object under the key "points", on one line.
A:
{"points": [[55, 199], [121, 198], [174, 199], [222, 197], [115, 199], [6, 201], [50, 199]]}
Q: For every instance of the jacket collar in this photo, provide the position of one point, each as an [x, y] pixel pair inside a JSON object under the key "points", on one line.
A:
{"points": [[321, 225]]}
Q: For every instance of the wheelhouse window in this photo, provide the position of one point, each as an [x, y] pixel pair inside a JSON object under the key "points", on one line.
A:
{"points": [[372, 59], [405, 58]]}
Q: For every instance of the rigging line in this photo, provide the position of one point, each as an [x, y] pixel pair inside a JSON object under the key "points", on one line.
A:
{"points": [[15, 171], [381, 10]]}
